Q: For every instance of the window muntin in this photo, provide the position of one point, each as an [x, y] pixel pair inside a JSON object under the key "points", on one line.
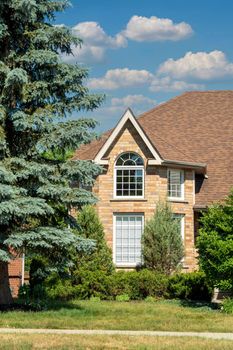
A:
{"points": [[127, 243], [129, 159], [175, 181], [129, 176]]}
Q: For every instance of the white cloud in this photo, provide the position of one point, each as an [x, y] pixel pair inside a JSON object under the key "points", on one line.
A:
{"points": [[93, 34], [200, 65], [121, 78], [168, 84], [95, 43], [132, 100], [156, 29]]}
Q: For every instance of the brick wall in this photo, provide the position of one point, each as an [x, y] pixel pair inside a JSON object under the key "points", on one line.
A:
{"points": [[155, 189], [15, 273]]}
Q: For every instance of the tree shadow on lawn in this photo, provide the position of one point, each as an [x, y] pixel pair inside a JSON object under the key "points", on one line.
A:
{"points": [[200, 304], [36, 306]]}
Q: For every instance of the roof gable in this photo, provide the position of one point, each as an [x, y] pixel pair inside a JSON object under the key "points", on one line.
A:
{"points": [[127, 116]]}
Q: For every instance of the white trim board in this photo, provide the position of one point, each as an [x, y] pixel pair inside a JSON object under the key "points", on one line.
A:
{"points": [[128, 115]]}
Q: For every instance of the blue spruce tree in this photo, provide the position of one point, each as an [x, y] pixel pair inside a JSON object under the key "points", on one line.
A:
{"points": [[37, 92]]}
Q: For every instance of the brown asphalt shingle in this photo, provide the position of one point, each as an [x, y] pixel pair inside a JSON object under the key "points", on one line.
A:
{"points": [[193, 127]]}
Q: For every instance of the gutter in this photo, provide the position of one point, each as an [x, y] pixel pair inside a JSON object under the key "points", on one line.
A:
{"points": [[193, 165]]}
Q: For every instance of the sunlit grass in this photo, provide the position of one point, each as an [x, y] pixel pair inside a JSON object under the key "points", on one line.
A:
{"points": [[35, 341], [161, 315]]}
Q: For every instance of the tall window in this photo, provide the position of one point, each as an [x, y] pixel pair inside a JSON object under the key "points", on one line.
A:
{"points": [[129, 175], [180, 220], [175, 183], [127, 240]]}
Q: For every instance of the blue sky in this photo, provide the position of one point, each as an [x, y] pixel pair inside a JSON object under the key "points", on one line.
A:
{"points": [[142, 52]]}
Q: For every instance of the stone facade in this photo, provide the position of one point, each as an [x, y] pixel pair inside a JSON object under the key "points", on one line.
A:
{"points": [[155, 189]]}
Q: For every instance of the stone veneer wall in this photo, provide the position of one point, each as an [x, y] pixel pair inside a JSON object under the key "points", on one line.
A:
{"points": [[155, 189]]}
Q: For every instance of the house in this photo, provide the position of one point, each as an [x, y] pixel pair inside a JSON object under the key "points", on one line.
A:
{"points": [[180, 151]]}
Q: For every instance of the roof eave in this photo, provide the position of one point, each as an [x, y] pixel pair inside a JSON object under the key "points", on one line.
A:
{"points": [[199, 167]]}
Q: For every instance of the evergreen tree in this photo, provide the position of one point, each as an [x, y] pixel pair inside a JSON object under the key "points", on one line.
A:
{"points": [[162, 245], [37, 91], [90, 227]]}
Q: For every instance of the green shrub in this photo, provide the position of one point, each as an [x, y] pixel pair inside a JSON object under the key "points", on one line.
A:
{"points": [[227, 306], [215, 244], [138, 284], [95, 299], [190, 286], [91, 283], [24, 294], [122, 297], [149, 299], [38, 272], [57, 288]]}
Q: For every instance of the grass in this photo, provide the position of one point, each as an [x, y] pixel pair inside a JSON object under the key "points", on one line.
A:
{"points": [[161, 315], [69, 342]]}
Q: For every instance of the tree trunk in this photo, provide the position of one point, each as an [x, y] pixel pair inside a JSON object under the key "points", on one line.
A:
{"points": [[5, 292]]}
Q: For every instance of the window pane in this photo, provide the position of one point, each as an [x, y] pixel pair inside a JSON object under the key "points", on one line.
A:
{"points": [[129, 182], [175, 183], [128, 238], [131, 159]]}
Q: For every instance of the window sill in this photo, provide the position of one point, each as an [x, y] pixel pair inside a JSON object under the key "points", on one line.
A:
{"points": [[127, 266], [128, 200], [177, 200]]}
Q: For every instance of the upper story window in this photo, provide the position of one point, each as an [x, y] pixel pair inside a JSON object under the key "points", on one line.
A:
{"points": [[129, 175], [175, 180]]}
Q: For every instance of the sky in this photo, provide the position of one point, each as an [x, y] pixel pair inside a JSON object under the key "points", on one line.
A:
{"points": [[141, 53]]}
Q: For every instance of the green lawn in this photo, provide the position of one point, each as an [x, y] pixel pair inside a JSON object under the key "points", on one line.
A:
{"points": [[77, 342], [161, 315]]}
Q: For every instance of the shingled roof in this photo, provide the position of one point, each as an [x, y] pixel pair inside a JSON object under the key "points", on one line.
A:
{"points": [[193, 127]]}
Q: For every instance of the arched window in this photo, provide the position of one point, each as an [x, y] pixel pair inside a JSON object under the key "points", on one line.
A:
{"points": [[129, 175]]}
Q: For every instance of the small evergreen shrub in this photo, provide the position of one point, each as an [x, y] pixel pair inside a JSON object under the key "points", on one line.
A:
{"points": [[162, 246], [189, 286], [38, 272], [122, 297]]}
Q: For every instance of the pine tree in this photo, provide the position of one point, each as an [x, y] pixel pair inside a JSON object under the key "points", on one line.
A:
{"points": [[162, 245], [37, 92]]}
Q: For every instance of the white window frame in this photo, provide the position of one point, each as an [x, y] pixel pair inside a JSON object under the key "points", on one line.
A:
{"points": [[120, 167], [124, 264], [182, 184]]}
